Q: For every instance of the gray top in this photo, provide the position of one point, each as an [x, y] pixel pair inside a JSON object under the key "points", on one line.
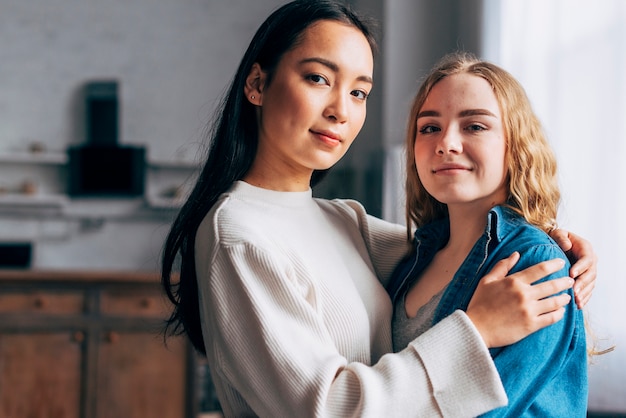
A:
{"points": [[406, 329]]}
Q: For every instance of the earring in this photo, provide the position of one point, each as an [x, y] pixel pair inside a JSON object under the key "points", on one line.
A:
{"points": [[252, 97]]}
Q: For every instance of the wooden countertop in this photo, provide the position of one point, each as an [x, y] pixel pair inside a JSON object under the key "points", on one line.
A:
{"points": [[79, 275]]}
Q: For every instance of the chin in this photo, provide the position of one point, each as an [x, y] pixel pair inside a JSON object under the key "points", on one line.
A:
{"points": [[324, 167], [325, 164]]}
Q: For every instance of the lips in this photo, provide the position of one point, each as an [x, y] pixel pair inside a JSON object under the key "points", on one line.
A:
{"points": [[328, 137], [450, 168]]}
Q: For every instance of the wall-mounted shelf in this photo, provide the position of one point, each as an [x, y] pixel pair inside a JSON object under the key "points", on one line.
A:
{"points": [[21, 202], [60, 158], [162, 172], [34, 200], [173, 164], [54, 158]]}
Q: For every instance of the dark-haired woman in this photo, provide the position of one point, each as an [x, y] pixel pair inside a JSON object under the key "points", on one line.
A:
{"points": [[283, 292]]}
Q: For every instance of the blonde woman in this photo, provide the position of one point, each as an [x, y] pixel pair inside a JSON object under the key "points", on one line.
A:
{"points": [[481, 185]]}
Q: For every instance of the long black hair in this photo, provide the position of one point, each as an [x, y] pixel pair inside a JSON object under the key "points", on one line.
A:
{"points": [[232, 149]]}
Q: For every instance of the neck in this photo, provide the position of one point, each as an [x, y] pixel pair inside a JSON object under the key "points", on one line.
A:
{"points": [[281, 180], [467, 224]]}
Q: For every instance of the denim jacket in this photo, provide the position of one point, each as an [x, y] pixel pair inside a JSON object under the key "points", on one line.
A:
{"points": [[545, 374]]}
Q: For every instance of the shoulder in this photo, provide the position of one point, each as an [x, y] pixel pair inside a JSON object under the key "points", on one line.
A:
{"points": [[355, 212], [237, 233], [230, 222], [526, 236], [512, 227], [343, 207], [533, 244]]}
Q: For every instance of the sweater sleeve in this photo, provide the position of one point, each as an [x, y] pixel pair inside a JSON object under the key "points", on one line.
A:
{"points": [[386, 242], [271, 351]]}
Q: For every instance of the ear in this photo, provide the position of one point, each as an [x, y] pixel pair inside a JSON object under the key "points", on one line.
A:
{"points": [[255, 83]]}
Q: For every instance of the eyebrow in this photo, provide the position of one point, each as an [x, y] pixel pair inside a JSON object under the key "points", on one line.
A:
{"points": [[463, 113], [334, 67]]}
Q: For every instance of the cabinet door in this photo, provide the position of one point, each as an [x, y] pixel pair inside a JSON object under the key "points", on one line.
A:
{"points": [[40, 375], [139, 377]]}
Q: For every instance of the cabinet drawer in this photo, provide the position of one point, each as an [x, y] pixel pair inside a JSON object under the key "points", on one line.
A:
{"points": [[42, 302], [133, 303]]}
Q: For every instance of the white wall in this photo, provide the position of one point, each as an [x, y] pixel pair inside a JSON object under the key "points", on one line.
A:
{"points": [[173, 60], [170, 57]]}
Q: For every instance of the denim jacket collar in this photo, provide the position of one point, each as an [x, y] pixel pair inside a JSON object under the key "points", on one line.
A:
{"points": [[434, 236]]}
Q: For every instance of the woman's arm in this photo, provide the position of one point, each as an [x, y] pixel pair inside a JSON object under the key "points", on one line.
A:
{"points": [[267, 339], [520, 308]]}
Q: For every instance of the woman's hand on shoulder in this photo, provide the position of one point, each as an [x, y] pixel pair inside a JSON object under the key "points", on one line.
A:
{"points": [[505, 309]]}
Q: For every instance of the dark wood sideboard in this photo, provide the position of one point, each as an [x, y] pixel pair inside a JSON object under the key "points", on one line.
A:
{"points": [[87, 344]]}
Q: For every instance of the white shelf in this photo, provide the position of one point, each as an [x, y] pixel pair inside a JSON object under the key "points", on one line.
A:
{"points": [[58, 158], [43, 200], [81, 206], [61, 158], [170, 164]]}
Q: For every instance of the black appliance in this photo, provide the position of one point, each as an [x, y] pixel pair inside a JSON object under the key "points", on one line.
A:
{"points": [[103, 167], [15, 254]]}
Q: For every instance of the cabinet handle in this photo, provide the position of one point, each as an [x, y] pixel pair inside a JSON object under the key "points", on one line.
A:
{"points": [[146, 303], [79, 336], [40, 302], [112, 337]]}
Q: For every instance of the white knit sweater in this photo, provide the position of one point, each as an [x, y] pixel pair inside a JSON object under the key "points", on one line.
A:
{"points": [[296, 322]]}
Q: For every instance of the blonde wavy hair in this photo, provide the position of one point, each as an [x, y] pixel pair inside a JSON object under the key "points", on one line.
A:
{"points": [[532, 182]]}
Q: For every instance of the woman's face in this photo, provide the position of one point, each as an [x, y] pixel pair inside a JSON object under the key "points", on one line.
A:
{"points": [[315, 104], [460, 143]]}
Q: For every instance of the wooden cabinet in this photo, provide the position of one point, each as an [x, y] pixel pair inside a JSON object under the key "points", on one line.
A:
{"points": [[83, 345]]}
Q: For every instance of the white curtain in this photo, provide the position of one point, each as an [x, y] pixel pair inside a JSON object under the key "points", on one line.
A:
{"points": [[570, 55]]}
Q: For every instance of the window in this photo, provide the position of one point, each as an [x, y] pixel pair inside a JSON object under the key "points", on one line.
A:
{"points": [[570, 55]]}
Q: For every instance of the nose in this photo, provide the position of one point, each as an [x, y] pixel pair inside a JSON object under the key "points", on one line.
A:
{"points": [[337, 108], [449, 143]]}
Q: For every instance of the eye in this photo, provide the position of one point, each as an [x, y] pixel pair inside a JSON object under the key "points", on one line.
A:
{"points": [[317, 79], [428, 129], [360, 94], [474, 127]]}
